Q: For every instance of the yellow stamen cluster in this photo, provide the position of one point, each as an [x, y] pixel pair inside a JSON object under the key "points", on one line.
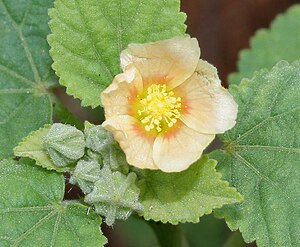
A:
{"points": [[159, 109]]}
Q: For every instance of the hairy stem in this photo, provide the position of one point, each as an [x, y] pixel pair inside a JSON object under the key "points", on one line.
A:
{"points": [[169, 235]]}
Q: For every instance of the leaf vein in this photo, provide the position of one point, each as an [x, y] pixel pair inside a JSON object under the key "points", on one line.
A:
{"points": [[269, 148], [16, 75], [25, 209], [134, 19], [259, 173], [262, 123], [34, 227], [92, 41], [79, 56], [25, 15], [24, 44], [160, 202], [55, 229], [16, 110], [16, 91]]}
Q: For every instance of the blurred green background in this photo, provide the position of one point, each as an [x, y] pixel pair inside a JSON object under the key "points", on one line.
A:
{"points": [[209, 232]]}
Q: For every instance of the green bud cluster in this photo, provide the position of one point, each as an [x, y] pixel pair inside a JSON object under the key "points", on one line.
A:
{"points": [[95, 162]]}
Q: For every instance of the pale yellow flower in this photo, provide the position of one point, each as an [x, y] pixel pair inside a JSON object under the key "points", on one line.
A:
{"points": [[167, 105]]}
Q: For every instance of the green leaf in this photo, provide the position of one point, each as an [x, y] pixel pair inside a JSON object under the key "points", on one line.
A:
{"points": [[88, 37], [25, 72], [33, 148], [33, 214], [280, 42], [185, 196], [261, 158], [115, 195]]}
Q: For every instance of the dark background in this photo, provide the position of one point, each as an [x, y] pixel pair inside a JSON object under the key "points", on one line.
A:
{"points": [[224, 27]]}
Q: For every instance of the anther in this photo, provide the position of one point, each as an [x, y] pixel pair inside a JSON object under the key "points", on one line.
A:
{"points": [[159, 109]]}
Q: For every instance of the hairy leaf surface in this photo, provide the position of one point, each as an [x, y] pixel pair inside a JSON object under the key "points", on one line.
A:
{"points": [[33, 214], [185, 196], [88, 37], [25, 72], [261, 158]]}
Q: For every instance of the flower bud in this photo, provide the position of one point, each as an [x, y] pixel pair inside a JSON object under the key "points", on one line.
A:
{"points": [[65, 144]]}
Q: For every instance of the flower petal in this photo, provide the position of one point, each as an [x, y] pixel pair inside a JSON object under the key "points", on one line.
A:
{"points": [[176, 152], [137, 146], [172, 61], [117, 98], [209, 108], [208, 71]]}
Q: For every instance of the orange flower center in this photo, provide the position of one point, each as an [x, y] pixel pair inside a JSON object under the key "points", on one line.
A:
{"points": [[159, 109]]}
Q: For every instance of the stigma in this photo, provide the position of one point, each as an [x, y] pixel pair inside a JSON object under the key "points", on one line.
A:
{"points": [[158, 109]]}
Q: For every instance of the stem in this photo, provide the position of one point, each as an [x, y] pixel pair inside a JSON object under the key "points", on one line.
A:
{"points": [[235, 240], [169, 235]]}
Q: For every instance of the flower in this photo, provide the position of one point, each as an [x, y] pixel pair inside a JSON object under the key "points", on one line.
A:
{"points": [[167, 105]]}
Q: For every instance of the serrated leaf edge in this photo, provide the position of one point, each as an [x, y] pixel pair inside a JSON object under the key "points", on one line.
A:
{"points": [[246, 84], [31, 134], [263, 32], [218, 176]]}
